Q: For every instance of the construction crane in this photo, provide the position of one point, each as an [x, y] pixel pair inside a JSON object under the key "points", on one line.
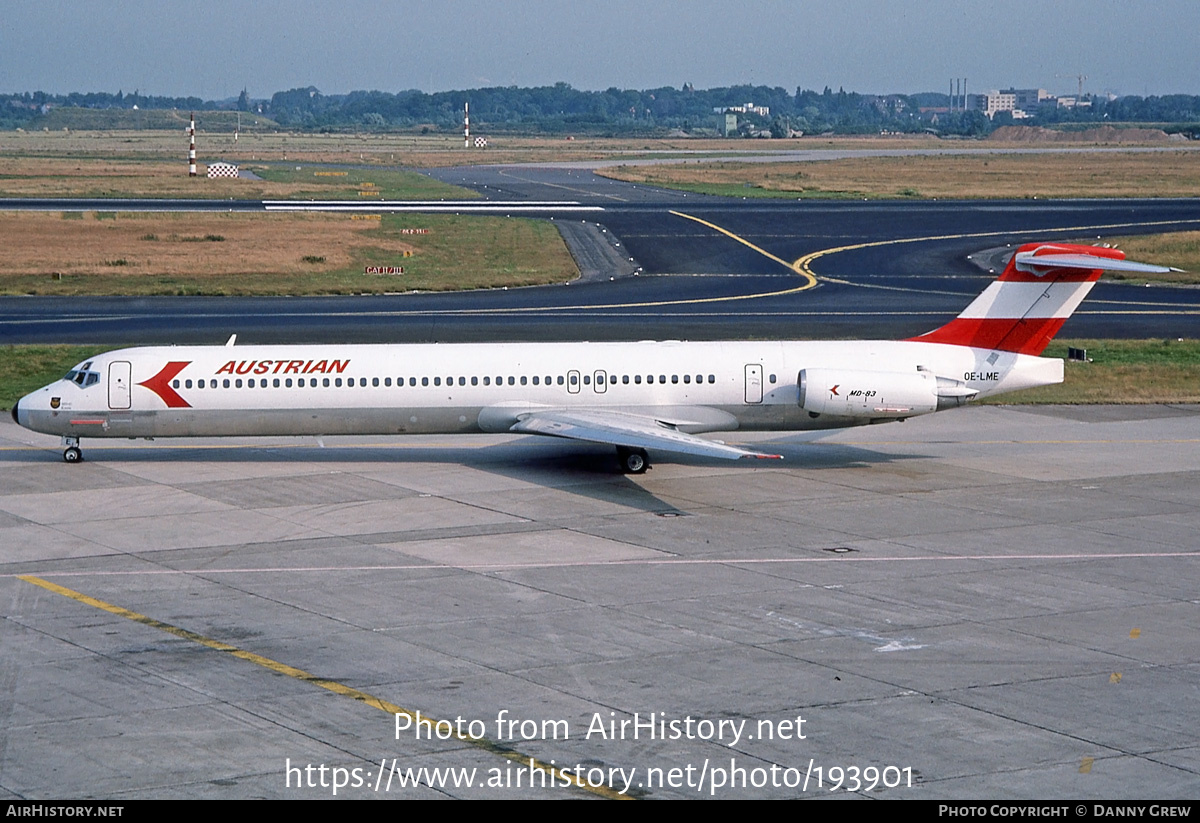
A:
{"points": [[1080, 78]]}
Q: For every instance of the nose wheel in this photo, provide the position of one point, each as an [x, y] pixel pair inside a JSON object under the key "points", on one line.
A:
{"points": [[633, 461], [71, 451]]}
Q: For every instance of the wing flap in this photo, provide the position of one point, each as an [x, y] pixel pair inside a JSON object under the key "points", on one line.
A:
{"points": [[629, 430]]}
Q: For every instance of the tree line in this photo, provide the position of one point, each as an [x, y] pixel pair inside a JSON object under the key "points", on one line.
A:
{"points": [[561, 109]]}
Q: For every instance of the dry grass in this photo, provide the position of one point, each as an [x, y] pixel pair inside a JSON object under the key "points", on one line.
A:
{"points": [[407, 149], [133, 177], [1169, 173], [125, 253], [1180, 250]]}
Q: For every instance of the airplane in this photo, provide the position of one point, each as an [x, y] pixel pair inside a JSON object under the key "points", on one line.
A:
{"points": [[636, 396]]}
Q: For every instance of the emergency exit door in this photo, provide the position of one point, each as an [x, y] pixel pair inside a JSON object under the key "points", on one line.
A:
{"points": [[754, 383]]}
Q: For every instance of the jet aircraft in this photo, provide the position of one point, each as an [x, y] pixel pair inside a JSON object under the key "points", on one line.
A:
{"points": [[638, 397]]}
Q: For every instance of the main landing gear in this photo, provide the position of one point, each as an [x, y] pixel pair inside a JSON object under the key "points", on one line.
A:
{"points": [[633, 461], [71, 452]]}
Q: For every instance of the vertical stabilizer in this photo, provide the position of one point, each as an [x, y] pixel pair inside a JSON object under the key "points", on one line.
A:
{"points": [[1041, 286]]}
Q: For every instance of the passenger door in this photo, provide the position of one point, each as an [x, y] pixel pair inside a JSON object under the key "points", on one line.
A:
{"points": [[118, 384]]}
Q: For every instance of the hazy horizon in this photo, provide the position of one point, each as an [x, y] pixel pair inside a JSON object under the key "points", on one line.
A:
{"points": [[214, 50]]}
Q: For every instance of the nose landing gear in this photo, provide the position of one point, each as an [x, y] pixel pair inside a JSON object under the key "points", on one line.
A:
{"points": [[71, 451]]}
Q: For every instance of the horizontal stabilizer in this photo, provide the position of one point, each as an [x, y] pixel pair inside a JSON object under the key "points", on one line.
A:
{"points": [[1027, 261]]}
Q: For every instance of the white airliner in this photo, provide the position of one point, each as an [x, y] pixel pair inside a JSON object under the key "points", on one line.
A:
{"points": [[656, 395]]}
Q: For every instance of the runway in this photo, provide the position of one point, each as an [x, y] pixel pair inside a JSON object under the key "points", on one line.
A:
{"points": [[986, 603], [710, 268]]}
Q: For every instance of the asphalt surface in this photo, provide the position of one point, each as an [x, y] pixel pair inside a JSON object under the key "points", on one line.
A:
{"points": [[909, 273], [988, 602]]}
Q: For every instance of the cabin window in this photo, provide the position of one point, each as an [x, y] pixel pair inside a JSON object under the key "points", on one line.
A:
{"points": [[487, 381], [325, 382], [687, 378], [535, 380], [387, 381], [771, 378], [625, 378], [187, 384], [524, 380], [275, 382], [175, 383], [337, 382], [574, 379], [637, 378], [437, 381], [587, 380], [225, 383], [699, 378], [238, 383], [712, 378], [560, 380], [512, 381], [474, 381], [674, 378], [548, 380], [288, 382]]}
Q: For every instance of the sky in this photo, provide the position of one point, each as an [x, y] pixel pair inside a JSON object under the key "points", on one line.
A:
{"points": [[214, 49]]}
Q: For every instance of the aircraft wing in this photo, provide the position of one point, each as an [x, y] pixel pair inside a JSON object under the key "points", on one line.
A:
{"points": [[628, 430]]}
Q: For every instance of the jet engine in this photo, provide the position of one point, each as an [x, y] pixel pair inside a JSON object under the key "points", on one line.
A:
{"points": [[879, 395]]}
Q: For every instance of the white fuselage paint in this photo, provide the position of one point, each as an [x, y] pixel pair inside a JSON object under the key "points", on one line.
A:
{"points": [[462, 388]]}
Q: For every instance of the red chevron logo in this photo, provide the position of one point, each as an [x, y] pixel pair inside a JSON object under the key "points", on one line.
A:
{"points": [[160, 384]]}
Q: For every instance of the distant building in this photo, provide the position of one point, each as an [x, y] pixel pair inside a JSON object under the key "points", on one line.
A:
{"points": [[1021, 103], [1031, 99], [749, 108], [993, 101]]}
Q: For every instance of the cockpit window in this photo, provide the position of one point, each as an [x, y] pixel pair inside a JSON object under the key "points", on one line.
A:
{"points": [[83, 375]]}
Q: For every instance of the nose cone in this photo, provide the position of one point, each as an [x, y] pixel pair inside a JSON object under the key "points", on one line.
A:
{"points": [[20, 410]]}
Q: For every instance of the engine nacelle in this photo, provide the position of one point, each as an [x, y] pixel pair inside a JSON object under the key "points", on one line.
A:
{"points": [[877, 395]]}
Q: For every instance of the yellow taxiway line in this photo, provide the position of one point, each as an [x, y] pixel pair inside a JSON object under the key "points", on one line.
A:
{"points": [[560, 777]]}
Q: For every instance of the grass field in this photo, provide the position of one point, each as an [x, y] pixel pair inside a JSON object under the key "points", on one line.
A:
{"points": [[1123, 371], [245, 254], [409, 149], [156, 178], [1174, 173]]}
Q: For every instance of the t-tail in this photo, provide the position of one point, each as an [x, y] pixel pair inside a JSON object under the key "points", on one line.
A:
{"points": [[1039, 289]]}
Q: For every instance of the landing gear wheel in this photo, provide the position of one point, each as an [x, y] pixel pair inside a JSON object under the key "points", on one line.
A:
{"points": [[72, 455], [633, 461]]}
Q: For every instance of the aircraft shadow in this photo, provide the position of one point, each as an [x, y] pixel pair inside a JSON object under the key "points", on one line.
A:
{"points": [[585, 470]]}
